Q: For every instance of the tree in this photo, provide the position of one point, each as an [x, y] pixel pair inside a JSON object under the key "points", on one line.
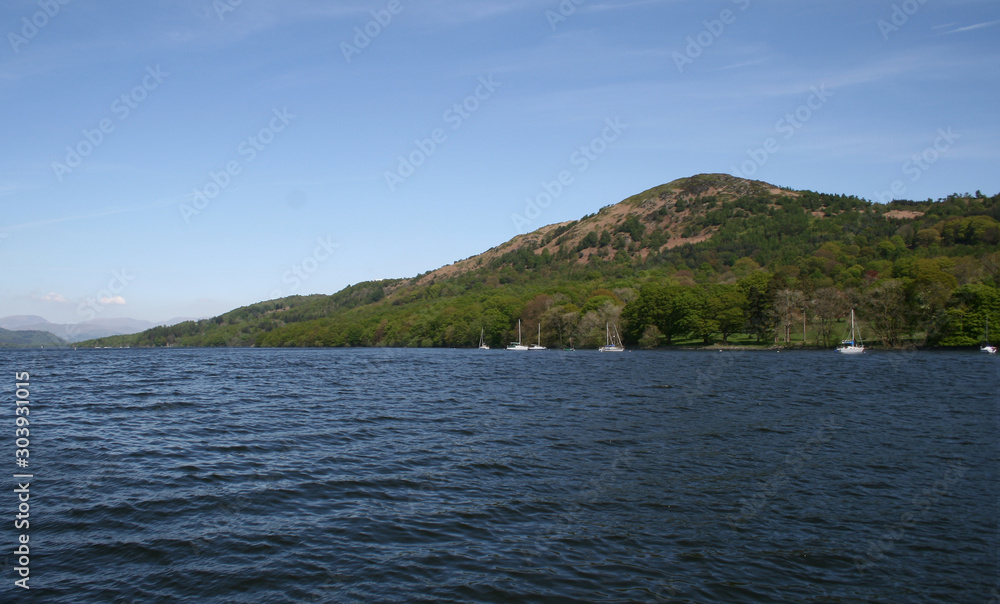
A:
{"points": [[563, 320], [592, 325], [534, 309], [666, 307], [964, 320], [757, 288], [702, 319], [828, 304], [729, 306], [883, 306], [651, 337], [633, 227], [787, 302], [745, 266], [929, 292], [928, 237]]}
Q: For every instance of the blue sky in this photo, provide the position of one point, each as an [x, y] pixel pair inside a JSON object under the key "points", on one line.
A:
{"points": [[184, 158]]}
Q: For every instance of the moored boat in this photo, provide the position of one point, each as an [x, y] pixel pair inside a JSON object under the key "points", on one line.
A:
{"points": [[613, 343], [987, 347], [854, 345], [517, 345], [538, 346]]}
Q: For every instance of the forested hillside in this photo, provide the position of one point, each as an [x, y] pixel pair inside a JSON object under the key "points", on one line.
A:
{"points": [[29, 339], [702, 260]]}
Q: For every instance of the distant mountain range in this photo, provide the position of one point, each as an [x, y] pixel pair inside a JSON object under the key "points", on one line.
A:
{"points": [[75, 332]]}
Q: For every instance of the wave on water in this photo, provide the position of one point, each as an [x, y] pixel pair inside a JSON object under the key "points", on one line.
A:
{"points": [[437, 476]]}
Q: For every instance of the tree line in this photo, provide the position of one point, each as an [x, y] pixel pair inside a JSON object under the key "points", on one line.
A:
{"points": [[917, 273]]}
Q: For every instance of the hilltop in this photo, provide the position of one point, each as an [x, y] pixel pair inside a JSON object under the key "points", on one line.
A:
{"points": [[699, 259], [665, 210], [29, 339]]}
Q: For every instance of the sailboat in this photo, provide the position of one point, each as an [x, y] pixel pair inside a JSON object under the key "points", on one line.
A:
{"points": [[614, 343], [482, 343], [987, 347], [570, 348], [517, 345], [538, 346], [853, 345]]}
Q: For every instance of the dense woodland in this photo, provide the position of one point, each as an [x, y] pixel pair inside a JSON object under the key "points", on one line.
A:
{"points": [[29, 339], [707, 260]]}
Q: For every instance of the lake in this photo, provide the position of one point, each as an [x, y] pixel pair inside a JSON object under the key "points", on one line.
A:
{"points": [[341, 475]]}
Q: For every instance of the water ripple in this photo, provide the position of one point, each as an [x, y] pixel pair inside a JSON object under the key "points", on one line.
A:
{"points": [[456, 476]]}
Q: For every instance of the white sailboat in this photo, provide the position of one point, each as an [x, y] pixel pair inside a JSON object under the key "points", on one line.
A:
{"points": [[482, 343], [853, 345], [517, 345], [987, 347], [613, 342], [538, 346]]}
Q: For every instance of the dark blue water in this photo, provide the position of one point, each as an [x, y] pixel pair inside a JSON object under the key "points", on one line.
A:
{"points": [[455, 476]]}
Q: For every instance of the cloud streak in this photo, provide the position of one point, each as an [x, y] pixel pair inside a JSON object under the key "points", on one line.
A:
{"points": [[54, 298], [100, 214], [971, 27]]}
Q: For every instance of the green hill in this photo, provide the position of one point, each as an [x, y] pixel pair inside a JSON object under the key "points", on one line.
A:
{"points": [[29, 339], [707, 259]]}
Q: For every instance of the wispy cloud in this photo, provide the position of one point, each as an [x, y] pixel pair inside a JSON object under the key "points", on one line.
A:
{"points": [[740, 64], [792, 80], [971, 27], [604, 6], [448, 12], [9, 188], [53, 297], [114, 300], [99, 214], [249, 19]]}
